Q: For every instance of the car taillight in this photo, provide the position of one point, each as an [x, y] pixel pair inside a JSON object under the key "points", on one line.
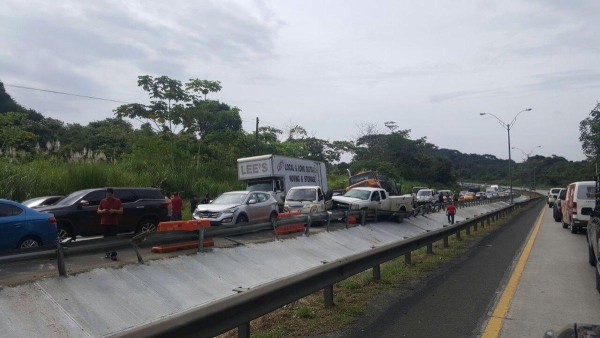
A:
{"points": [[574, 208], [52, 220], [165, 205]]}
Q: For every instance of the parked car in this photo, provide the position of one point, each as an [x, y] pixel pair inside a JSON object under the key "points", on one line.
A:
{"points": [[552, 194], [479, 195], [239, 207], [307, 199], [23, 227], [557, 206], [578, 205], [76, 214], [43, 201], [425, 196], [469, 196], [447, 195]]}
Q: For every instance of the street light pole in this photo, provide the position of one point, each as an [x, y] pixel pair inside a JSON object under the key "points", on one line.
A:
{"points": [[507, 126], [527, 161]]}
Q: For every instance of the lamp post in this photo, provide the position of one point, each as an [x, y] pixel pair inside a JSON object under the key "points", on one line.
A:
{"points": [[527, 160], [507, 126]]}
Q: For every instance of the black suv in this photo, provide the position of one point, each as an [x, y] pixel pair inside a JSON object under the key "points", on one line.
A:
{"points": [[76, 214]]}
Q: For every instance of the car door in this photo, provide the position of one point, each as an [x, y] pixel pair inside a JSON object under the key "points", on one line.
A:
{"points": [[87, 218], [252, 210], [376, 200], [132, 211], [12, 225]]}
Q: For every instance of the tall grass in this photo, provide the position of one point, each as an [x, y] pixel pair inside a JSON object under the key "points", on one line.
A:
{"points": [[45, 177]]}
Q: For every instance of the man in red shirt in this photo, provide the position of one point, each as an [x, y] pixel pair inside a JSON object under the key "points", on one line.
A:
{"points": [[450, 212], [177, 205], [109, 209]]}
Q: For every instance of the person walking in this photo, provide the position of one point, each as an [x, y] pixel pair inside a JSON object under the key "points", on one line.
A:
{"points": [[176, 206], [450, 212], [441, 200], [193, 204]]}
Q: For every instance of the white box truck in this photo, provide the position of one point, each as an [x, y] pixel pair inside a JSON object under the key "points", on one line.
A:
{"points": [[277, 174]]}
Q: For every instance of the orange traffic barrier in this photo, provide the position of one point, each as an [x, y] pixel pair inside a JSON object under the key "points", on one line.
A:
{"points": [[181, 246], [192, 225], [352, 219], [287, 229]]}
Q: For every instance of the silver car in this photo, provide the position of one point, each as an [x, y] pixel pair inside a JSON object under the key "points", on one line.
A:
{"points": [[239, 207]]}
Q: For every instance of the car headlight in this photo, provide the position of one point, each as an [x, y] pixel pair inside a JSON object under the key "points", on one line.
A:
{"points": [[231, 210], [354, 207]]}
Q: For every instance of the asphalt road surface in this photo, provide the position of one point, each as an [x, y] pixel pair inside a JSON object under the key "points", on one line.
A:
{"points": [[457, 302]]}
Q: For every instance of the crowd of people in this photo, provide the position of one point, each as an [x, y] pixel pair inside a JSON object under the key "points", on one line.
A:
{"points": [[175, 205]]}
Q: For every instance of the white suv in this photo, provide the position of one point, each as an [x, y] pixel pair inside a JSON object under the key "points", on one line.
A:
{"points": [[552, 195]]}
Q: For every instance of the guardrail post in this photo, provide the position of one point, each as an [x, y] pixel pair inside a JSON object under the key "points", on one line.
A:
{"points": [[363, 216], [201, 239], [408, 258], [430, 249], [137, 251], [377, 272], [468, 229], [307, 230], [458, 234], [328, 296], [328, 221], [347, 214], [446, 244], [274, 225], [244, 330], [487, 220], [475, 226], [60, 260], [375, 220]]}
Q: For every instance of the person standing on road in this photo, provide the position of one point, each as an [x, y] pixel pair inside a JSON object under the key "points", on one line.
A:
{"points": [[193, 204], [169, 205], [450, 212], [441, 200], [109, 210], [176, 205], [205, 200]]}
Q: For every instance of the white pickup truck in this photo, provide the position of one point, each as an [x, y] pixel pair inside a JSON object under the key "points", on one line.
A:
{"points": [[373, 198]]}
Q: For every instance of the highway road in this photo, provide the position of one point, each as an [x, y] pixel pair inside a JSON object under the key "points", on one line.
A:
{"points": [[530, 276]]}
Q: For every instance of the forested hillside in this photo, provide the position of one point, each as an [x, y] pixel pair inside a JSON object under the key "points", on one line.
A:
{"points": [[190, 143]]}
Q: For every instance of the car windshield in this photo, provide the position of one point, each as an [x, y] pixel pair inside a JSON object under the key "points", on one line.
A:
{"points": [[586, 192], [260, 186], [562, 194], [231, 198], [360, 194], [72, 198], [554, 191], [424, 193], [307, 194]]}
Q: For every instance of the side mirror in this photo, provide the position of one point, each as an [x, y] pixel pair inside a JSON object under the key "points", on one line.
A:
{"points": [[82, 204], [252, 201]]}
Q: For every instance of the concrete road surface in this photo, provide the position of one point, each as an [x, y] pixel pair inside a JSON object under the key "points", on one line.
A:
{"points": [[557, 286]]}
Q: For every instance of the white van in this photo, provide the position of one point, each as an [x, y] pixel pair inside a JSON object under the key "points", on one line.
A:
{"points": [[307, 199], [579, 205]]}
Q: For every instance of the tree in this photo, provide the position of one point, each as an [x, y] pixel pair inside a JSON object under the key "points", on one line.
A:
{"points": [[589, 130]]}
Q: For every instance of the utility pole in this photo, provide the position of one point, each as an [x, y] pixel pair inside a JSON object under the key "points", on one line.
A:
{"points": [[256, 151]]}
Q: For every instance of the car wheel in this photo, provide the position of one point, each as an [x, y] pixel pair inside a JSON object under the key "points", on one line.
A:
{"points": [[147, 225], [273, 217], [64, 232], [29, 242], [592, 256], [241, 219], [573, 229]]}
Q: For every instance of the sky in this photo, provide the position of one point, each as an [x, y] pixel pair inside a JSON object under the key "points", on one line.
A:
{"points": [[332, 67]]}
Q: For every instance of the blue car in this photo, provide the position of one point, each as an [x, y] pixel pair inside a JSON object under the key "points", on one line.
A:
{"points": [[23, 227]]}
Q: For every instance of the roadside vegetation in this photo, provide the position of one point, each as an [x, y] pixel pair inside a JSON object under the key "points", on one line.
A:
{"points": [[190, 143], [354, 297]]}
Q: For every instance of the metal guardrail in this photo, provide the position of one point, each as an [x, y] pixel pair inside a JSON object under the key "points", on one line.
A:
{"points": [[238, 310]]}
